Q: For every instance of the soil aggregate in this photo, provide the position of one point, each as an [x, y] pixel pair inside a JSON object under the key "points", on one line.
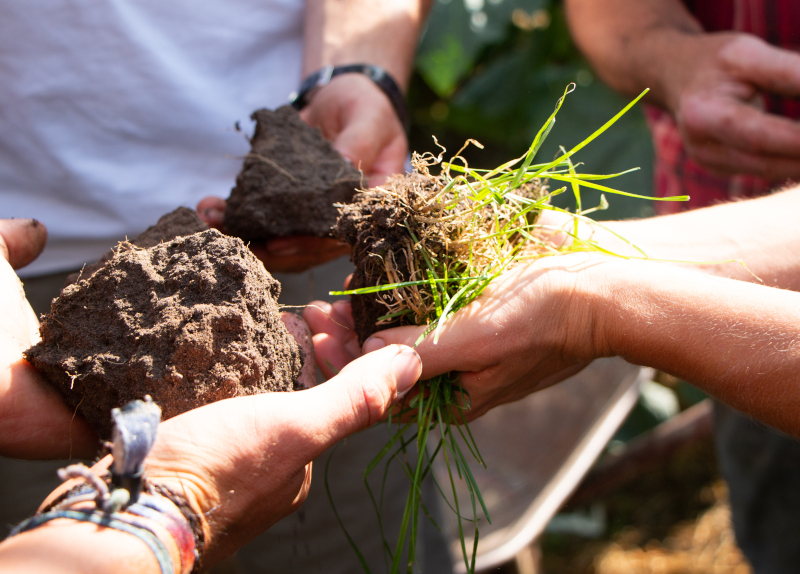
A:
{"points": [[375, 227], [178, 223], [289, 182], [187, 321]]}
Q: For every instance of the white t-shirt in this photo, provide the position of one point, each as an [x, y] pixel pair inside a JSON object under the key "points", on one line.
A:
{"points": [[114, 112]]}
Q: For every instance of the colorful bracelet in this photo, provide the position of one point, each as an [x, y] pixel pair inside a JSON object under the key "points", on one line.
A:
{"points": [[115, 494]]}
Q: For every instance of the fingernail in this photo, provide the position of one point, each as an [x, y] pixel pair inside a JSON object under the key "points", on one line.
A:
{"points": [[408, 367], [213, 215], [373, 344]]}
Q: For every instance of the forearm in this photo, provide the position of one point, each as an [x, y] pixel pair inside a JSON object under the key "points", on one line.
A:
{"points": [[67, 547], [384, 33], [739, 342], [763, 233], [636, 44]]}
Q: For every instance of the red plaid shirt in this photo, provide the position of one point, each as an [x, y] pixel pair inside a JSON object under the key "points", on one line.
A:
{"points": [[776, 21]]}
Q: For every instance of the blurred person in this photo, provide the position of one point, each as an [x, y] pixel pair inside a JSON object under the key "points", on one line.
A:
{"points": [[724, 78]]}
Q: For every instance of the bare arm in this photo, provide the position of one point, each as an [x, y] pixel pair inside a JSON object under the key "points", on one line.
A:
{"points": [[351, 111], [623, 39], [385, 33], [738, 341], [763, 233]]}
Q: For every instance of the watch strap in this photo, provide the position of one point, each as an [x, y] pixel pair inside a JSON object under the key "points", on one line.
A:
{"points": [[378, 75]]}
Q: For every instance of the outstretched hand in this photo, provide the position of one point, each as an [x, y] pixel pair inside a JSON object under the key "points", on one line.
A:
{"points": [[245, 463], [716, 98], [34, 420], [358, 118], [531, 328], [284, 254]]}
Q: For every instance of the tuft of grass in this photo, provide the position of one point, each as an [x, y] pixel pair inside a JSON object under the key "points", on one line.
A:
{"points": [[464, 227]]}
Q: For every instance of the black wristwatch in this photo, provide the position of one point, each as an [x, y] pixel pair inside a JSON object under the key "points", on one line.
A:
{"points": [[381, 77]]}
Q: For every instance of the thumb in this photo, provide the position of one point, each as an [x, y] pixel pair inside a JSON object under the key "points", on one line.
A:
{"points": [[360, 395], [21, 240], [448, 354]]}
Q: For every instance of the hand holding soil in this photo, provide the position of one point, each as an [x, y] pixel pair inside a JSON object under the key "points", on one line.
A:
{"points": [[34, 420], [530, 328], [245, 463], [283, 254], [358, 118]]}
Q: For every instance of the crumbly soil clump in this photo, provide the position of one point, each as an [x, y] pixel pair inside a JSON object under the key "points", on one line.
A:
{"points": [[188, 322], [179, 223], [289, 182], [398, 230], [376, 225]]}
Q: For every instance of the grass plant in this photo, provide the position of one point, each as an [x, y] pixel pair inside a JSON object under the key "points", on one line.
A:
{"points": [[463, 228]]}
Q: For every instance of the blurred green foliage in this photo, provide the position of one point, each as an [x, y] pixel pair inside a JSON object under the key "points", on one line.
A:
{"points": [[492, 70]]}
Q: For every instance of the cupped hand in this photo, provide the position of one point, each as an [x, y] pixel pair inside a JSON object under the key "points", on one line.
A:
{"points": [[245, 463], [717, 105], [359, 119], [35, 423], [283, 254], [532, 327]]}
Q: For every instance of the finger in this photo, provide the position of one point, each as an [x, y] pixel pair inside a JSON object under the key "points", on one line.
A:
{"points": [[335, 339], [726, 160], [333, 319], [360, 395], [754, 61], [212, 211], [453, 352], [297, 254], [710, 117], [332, 356], [302, 334], [21, 240]]}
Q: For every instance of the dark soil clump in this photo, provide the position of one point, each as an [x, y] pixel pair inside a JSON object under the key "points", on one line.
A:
{"points": [[289, 182], [188, 322], [179, 223], [376, 225], [414, 229]]}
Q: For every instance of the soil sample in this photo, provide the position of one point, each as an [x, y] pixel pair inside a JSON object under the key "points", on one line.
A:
{"points": [[183, 221], [376, 224], [289, 182], [399, 229], [188, 322]]}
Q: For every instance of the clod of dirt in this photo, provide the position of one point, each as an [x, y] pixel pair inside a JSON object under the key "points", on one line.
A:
{"points": [[289, 182], [375, 225], [397, 230], [188, 322], [179, 223]]}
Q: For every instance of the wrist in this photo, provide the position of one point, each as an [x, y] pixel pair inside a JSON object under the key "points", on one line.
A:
{"points": [[378, 79]]}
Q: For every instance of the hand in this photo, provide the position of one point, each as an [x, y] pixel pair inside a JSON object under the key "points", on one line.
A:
{"points": [[245, 463], [532, 327], [714, 97], [34, 420], [284, 254], [359, 119]]}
